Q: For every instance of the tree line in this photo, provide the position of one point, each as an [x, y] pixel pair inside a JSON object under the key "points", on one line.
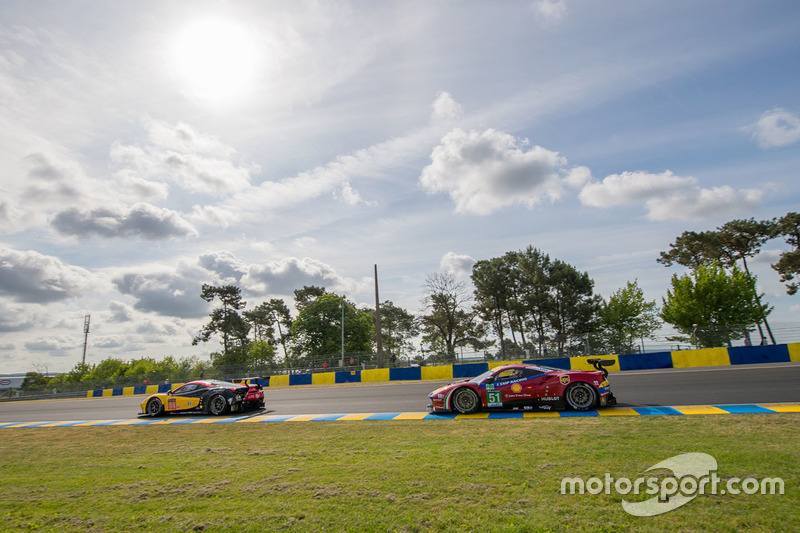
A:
{"points": [[524, 303], [327, 328]]}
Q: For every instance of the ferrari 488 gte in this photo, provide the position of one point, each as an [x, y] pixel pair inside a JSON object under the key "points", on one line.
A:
{"points": [[527, 387], [208, 396]]}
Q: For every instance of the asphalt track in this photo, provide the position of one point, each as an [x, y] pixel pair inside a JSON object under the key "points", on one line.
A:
{"points": [[764, 383]]}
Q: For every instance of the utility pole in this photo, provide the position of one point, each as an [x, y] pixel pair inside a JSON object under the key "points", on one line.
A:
{"points": [[378, 343], [86, 320], [280, 334]]}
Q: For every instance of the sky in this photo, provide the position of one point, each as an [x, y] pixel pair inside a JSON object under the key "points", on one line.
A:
{"points": [[147, 148]]}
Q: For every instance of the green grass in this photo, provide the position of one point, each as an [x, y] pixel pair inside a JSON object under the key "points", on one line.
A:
{"points": [[466, 475]]}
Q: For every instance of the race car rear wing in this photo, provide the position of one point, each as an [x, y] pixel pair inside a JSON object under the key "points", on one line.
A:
{"points": [[600, 365]]}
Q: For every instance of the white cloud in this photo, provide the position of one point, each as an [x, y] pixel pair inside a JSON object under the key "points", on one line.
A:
{"points": [[56, 190], [12, 217], [16, 317], [161, 327], [28, 276], [177, 153], [119, 312], [486, 171], [182, 138], [457, 265], [668, 197], [224, 263], [347, 194], [776, 127], [174, 291], [578, 176], [167, 291], [143, 221], [58, 346], [334, 178], [285, 275], [550, 10], [445, 108]]}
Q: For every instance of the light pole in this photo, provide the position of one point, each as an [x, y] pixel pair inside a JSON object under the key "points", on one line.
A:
{"points": [[341, 362], [378, 340], [86, 321], [280, 334]]}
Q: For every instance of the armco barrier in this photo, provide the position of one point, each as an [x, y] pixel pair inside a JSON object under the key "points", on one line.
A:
{"points": [[742, 355]]}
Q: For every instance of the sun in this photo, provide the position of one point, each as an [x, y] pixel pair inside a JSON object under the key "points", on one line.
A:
{"points": [[215, 59]]}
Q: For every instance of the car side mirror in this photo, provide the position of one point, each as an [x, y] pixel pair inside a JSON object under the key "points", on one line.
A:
{"points": [[169, 393]]}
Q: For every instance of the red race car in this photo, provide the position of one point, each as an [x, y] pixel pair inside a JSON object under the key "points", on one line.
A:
{"points": [[527, 387], [254, 399]]}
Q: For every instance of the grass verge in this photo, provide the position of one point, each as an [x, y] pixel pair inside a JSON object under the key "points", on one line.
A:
{"points": [[467, 475]]}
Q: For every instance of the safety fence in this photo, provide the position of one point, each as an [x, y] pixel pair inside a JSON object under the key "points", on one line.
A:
{"points": [[742, 355]]}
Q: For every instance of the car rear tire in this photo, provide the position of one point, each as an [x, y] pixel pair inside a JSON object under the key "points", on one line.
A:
{"points": [[155, 407], [465, 401], [217, 405], [580, 396]]}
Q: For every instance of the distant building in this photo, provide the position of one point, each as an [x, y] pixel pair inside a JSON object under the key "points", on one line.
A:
{"points": [[11, 382]]}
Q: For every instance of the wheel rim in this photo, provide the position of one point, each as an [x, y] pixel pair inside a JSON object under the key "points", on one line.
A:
{"points": [[465, 400], [154, 407], [581, 396], [217, 405]]}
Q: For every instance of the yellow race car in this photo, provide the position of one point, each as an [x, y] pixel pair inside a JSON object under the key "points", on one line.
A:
{"points": [[208, 396]]}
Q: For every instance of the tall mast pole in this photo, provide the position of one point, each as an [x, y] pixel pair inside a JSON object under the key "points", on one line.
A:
{"points": [[86, 320], [378, 343]]}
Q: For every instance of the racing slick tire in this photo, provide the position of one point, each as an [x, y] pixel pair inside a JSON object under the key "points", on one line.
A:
{"points": [[580, 396], [155, 407], [218, 405], [465, 401]]}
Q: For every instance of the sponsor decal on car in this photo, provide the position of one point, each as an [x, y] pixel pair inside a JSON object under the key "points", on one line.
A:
{"points": [[564, 380], [493, 399], [516, 387], [550, 399], [508, 382]]}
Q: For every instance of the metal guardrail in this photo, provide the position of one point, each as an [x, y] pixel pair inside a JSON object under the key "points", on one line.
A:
{"points": [[43, 396]]}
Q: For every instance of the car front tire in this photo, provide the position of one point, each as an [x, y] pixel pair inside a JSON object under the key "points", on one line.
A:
{"points": [[465, 401], [580, 397], [155, 407]]}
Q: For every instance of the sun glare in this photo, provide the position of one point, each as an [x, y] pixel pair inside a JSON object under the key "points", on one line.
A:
{"points": [[215, 59]]}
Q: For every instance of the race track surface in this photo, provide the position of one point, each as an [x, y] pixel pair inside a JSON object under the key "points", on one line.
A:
{"points": [[744, 384]]}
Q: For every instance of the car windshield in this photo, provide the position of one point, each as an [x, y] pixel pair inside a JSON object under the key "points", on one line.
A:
{"points": [[227, 384], [479, 378], [482, 377], [186, 388], [550, 368]]}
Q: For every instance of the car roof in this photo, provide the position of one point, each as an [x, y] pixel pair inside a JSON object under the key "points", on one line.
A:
{"points": [[215, 383], [530, 365]]}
